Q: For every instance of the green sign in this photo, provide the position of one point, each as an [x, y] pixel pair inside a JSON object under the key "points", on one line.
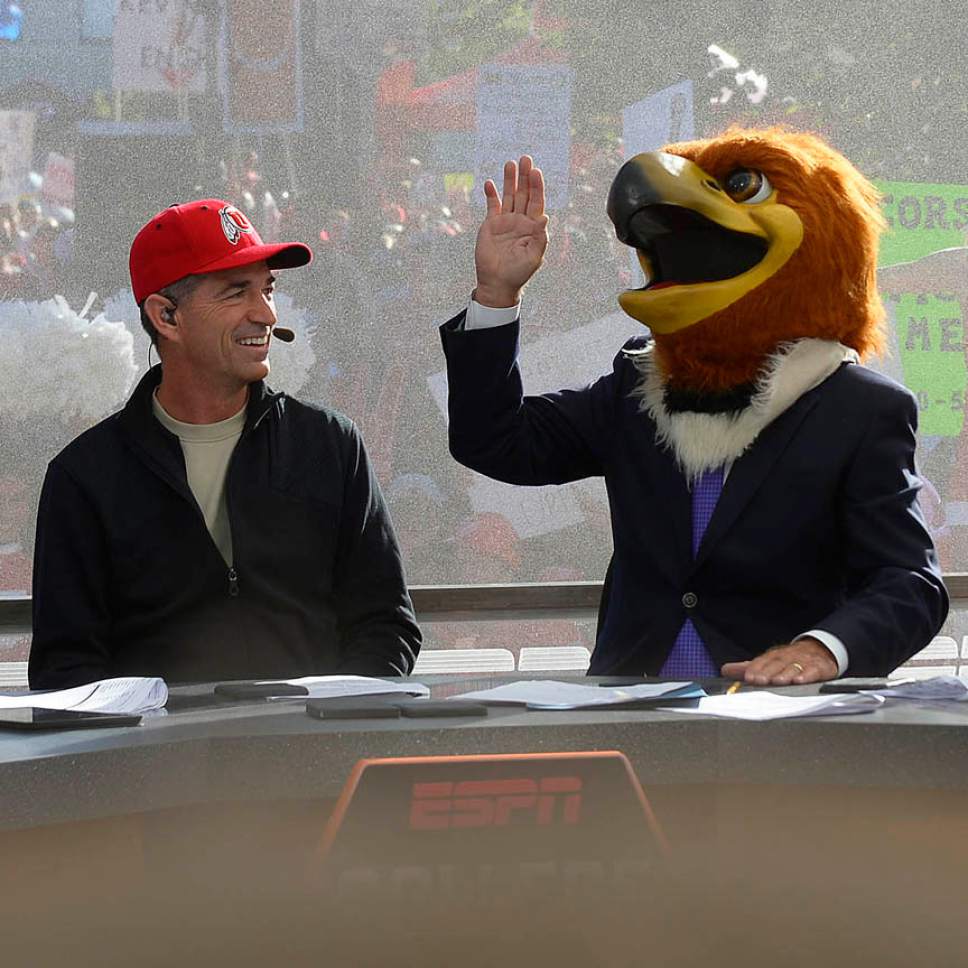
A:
{"points": [[931, 344], [922, 218]]}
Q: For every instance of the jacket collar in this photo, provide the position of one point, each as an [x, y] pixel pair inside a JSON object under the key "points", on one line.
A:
{"points": [[158, 446], [703, 441], [138, 417]]}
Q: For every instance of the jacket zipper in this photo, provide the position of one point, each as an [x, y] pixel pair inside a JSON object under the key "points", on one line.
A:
{"points": [[233, 574], [246, 431], [185, 492]]}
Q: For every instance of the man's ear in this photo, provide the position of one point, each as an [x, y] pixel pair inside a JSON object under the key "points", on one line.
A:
{"points": [[162, 312]]}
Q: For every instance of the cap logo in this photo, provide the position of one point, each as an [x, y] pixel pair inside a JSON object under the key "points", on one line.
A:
{"points": [[234, 223]]}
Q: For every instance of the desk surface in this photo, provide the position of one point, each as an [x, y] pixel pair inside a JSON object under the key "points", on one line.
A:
{"points": [[203, 749]]}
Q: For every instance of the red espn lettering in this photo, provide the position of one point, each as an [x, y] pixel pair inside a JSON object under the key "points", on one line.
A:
{"points": [[472, 804]]}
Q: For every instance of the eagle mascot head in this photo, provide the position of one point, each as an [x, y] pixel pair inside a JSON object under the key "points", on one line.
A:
{"points": [[750, 242]]}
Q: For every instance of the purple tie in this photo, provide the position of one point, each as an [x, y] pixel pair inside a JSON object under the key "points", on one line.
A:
{"points": [[689, 658]]}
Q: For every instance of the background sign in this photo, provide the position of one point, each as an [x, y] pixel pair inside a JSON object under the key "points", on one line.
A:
{"points": [[59, 180], [159, 45], [930, 337], [651, 124], [525, 110], [922, 219], [261, 67], [16, 152], [656, 121], [567, 359]]}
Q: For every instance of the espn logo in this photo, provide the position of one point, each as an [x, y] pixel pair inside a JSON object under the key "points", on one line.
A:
{"points": [[467, 804]]}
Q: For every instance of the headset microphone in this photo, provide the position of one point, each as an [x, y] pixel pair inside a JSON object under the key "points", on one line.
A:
{"points": [[281, 332]]}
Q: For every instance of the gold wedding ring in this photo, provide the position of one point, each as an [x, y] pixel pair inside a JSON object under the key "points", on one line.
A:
{"points": [[798, 667]]}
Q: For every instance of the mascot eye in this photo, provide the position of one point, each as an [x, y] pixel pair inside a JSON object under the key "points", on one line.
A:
{"points": [[747, 185]]}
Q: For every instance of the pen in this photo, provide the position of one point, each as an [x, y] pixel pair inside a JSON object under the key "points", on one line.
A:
{"points": [[733, 688]]}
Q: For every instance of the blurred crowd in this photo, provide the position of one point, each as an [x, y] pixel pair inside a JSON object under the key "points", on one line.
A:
{"points": [[36, 247], [394, 259]]}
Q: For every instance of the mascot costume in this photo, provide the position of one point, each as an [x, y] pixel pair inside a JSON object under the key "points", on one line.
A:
{"points": [[761, 481]]}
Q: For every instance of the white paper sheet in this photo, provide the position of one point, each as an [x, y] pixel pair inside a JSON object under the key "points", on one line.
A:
{"points": [[129, 694], [551, 694], [760, 706], [332, 687]]}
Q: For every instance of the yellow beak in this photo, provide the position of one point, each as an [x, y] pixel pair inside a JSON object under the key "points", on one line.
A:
{"points": [[699, 249]]}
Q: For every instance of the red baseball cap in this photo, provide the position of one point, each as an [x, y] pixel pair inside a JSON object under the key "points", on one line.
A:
{"points": [[202, 236]]}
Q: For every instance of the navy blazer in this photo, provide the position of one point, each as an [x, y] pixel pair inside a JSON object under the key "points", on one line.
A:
{"points": [[818, 525]]}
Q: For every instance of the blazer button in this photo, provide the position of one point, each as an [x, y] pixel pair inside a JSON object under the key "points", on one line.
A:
{"points": [[690, 600]]}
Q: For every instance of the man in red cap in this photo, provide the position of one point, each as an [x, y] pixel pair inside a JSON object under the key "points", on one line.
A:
{"points": [[213, 529]]}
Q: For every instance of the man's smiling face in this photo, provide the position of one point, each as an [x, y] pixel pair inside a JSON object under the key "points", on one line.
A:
{"points": [[226, 323]]}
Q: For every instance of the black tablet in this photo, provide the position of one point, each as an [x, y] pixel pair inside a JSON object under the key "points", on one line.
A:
{"points": [[362, 707], [444, 708], [36, 718], [259, 690]]}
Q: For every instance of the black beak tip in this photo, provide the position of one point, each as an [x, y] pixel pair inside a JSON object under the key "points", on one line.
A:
{"points": [[628, 193]]}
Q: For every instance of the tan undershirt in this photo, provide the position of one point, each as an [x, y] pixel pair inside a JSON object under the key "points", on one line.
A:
{"points": [[208, 449]]}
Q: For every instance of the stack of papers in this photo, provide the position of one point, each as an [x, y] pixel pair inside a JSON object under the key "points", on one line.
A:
{"points": [[333, 687], [550, 694], [130, 694], [762, 705]]}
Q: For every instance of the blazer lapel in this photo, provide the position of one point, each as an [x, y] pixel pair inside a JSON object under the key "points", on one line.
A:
{"points": [[751, 469]]}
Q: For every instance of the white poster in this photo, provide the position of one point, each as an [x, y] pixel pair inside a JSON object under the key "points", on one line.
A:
{"points": [[651, 124], [525, 110], [659, 120], [160, 45], [16, 152], [569, 359]]}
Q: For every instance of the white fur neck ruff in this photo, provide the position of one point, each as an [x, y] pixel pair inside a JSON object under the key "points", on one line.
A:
{"points": [[702, 441]]}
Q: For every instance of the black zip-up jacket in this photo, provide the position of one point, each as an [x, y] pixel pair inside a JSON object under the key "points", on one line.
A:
{"points": [[128, 581]]}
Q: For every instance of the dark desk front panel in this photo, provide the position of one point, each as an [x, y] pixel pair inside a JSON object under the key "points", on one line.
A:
{"points": [[195, 840]]}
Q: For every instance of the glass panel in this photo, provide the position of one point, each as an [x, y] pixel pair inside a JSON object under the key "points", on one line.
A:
{"points": [[366, 129]]}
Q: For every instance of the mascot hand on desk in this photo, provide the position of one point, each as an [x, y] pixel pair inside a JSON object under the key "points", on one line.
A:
{"points": [[776, 490]]}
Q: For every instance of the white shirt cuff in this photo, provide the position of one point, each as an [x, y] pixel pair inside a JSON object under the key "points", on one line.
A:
{"points": [[836, 648], [486, 317]]}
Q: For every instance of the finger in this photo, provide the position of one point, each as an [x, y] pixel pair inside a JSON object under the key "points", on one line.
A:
{"points": [[816, 670], [491, 198], [523, 189], [510, 186], [803, 666], [734, 670], [763, 669], [789, 672], [536, 197], [817, 660], [777, 665]]}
